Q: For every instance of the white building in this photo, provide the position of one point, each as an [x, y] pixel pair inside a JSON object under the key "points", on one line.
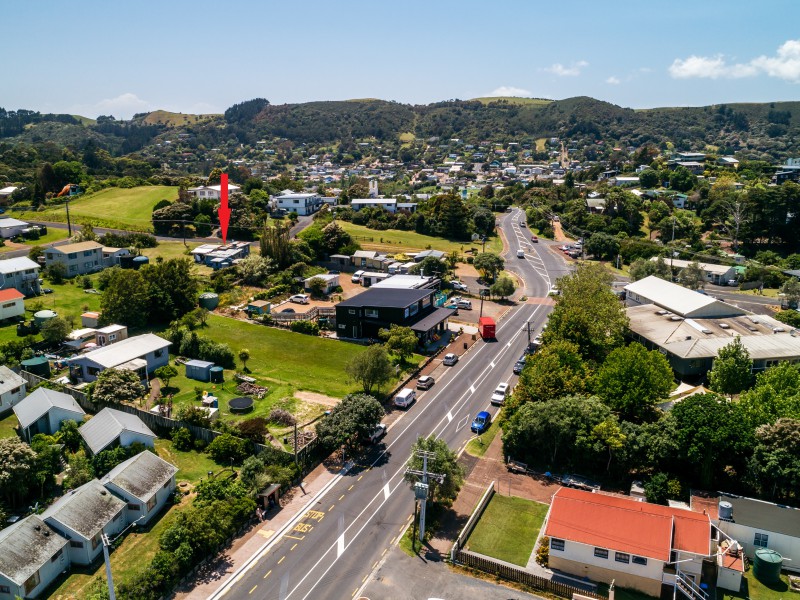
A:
{"points": [[20, 273], [33, 557], [145, 482], [111, 426], [12, 304], [11, 227], [44, 410], [713, 273], [12, 389], [303, 204], [331, 282], [211, 192], [141, 353]]}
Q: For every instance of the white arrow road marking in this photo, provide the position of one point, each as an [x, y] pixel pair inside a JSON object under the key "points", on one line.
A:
{"points": [[449, 416], [386, 493]]}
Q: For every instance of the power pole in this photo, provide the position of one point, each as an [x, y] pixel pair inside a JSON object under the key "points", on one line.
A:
{"points": [[109, 579], [421, 487], [69, 224]]}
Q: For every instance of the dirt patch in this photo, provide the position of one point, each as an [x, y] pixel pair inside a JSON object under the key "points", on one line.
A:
{"points": [[317, 398]]}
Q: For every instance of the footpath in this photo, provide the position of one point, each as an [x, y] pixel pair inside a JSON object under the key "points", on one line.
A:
{"points": [[293, 504]]}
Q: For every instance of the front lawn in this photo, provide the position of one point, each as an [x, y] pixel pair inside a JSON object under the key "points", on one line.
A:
{"points": [[53, 235], [68, 299], [395, 241], [508, 529], [8, 425], [753, 589]]}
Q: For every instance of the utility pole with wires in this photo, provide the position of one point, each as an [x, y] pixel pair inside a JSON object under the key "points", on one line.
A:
{"points": [[69, 223], [421, 487]]}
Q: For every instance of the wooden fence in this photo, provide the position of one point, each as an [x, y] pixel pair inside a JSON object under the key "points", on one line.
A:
{"points": [[511, 573], [314, 313], [472, 521]]}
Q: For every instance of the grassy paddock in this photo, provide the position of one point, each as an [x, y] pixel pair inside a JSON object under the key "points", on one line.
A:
{"points": [[508, 529], [395, 240]]}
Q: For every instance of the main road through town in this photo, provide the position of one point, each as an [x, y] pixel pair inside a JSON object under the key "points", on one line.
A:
{"points": [[329, 551]]}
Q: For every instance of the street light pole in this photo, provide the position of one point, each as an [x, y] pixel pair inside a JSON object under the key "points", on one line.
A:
{"points": [[106, 544]]}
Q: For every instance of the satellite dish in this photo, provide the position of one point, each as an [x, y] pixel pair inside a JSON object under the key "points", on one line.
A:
{"points": [[475, 237]]}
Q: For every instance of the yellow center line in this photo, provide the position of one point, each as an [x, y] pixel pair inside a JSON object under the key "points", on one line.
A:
{"points": [[342, 496], [351, 487], [392, 542], [293, 547], [385, 550], [254, 589], [331, 508], [375, 566], [403, 528], [282, 559], [354, 592], [359, 477], [364, 579], [268, 573]]}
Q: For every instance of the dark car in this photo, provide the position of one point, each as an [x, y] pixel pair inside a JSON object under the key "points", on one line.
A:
{"points": [[518, 366], [287, 310], [481, 423], [47, 291]]}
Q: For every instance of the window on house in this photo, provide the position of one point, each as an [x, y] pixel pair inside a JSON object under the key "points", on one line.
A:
{"points": [[151, 503], [57, 555], [112, 337], [75, 544], [9, 276], [96, 540], [72, 255], [73, 268], [761, 540], [371, 312], [556, 544], [351, 311], [341, 325], [9, 305], [601, 553], [158, 353], [639, 560], [32, 582], [166, 484], [132, 506], [622, 557], [4, 589], [50, 256], [414, 309], [117, 516], [93, 371], [16, 390]]}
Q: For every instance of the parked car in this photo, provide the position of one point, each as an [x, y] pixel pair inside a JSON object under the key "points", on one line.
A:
{"points": [[519, 365], [334, 272], [457, 285], [499, 395], [481, 423], [565, 247], [425, 382], [405, 398], [535, 239], [356, 278], [520, 254], [47, 291], [466, 304], [299, 299], [556, 219], [287, 310], [377, 433], [450, 360]]}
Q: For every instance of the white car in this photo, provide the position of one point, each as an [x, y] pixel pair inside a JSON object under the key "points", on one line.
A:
{"points": [[450, 360], [356, 278], [299, 299], [499, 395], [377, 433], [457, 285]]}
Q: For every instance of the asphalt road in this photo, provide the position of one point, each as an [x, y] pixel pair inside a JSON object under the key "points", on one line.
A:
{"points": [[330, 551]]}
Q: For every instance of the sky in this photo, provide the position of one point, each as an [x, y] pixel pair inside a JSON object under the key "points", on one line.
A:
{"points": [[91, 58]]}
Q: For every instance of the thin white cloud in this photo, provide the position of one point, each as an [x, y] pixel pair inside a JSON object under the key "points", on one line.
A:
{"points": [[784, 65], [573, 70], [509, 90], [613, 80], [123, 106]]}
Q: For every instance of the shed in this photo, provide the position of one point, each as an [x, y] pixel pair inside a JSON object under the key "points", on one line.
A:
{"points": [[258, 307], [199, 370], [90, 319]]}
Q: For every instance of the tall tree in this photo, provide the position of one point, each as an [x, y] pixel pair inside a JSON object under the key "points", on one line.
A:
{"points": [[400, 340], [371, 368], [641, 268], [444, 462], [776, 459], [17, 464], [692, 276], [587, 313], [732, 372], [171, 288], [490, 265], [503, 287], [350, 422], [775, 395], [125, 299], [602, 246], [632, 380], [554, 371], [276, 244]]}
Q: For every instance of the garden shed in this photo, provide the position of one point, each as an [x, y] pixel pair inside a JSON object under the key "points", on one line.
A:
{"points": [[199, 370]]}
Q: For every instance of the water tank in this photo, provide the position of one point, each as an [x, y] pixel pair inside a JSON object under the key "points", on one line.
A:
{"points": [[725, 511], [139, 261], [38, 365], [43, 316], [216, 374], [209, 300], [767, 566]]}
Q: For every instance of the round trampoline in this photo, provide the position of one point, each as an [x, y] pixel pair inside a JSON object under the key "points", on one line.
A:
{"points": [[242, 404]]}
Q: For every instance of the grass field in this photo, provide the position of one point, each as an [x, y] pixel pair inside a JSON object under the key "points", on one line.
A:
{"points": [[541, 144], [479, 445], [53, 235], [513, 100], [508, 529], [119, 208], [753, 589], [177, 249], [8, 425], [173, 119], [394, 240]]}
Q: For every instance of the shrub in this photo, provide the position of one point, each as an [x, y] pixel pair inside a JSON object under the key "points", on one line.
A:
{"points": [[253, 429], [56, 273], [282, 417], [227, 449], [86, 282], [193, 415], [543, 552], [307, 327], [200, 444], [182, 439]]}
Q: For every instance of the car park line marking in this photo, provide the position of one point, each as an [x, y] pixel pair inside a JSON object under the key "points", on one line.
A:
{"points": [[386, 491], [449, 416]]}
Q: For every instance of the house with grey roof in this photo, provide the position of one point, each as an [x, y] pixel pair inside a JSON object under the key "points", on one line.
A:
{"points": [[12, 389], [145, 482], [82, 515], [78, 259], [20, 273], [44, 410], [142, 354], [110, 427], [33, 556]]}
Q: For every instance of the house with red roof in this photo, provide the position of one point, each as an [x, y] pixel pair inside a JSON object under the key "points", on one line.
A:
{"points": [[11, 304], [639, 545]]}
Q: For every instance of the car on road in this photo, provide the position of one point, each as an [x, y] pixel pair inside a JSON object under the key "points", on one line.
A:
{"points": [[466, 304], [425, 382], [450, 360], [481, 423], [457, 285], [519, 365], [522, 223], [556, 219], [299, 299], [535, 239], [499, 395], [356, 278], [520, 254], [405, 398], [377, 433]]}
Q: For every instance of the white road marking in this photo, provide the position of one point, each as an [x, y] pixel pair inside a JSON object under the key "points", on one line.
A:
{"points": [[340, 544], [493, 365], [449, 416], [386, 491], [461, 424], [508, 344], [472, 389]]}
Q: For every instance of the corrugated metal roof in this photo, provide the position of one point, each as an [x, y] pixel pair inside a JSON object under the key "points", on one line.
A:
{"points": [[678, 299], [141, 475], [9, 380], [766, 516], [27, 545], [13, 265], [107, 425], [40, 401], [78, 247], [125, 350], [85, 510]]}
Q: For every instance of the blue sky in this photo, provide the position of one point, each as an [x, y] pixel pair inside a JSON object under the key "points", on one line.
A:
{"points": [[90, 57]]}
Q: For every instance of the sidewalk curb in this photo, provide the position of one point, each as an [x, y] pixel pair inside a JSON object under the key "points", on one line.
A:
{"points": [[258, 554]]}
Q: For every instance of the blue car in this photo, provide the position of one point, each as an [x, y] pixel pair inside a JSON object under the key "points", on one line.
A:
{"points": [[481, 422]]}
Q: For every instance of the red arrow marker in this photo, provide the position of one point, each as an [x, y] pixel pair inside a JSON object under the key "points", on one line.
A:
{"points": [[224, 209]]}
